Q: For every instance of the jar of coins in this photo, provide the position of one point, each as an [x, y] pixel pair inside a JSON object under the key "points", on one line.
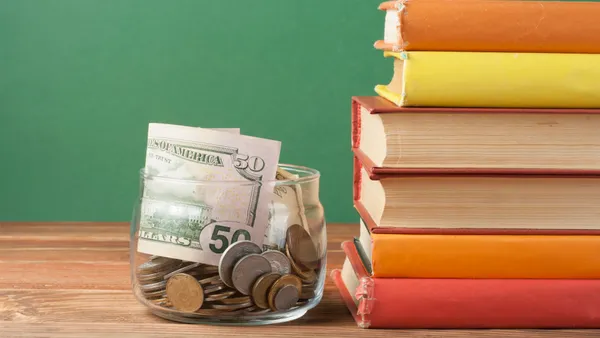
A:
{"points": [[234, 247]]}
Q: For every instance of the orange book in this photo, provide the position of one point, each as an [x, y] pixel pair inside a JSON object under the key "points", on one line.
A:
{"points": [[418, 253], [491, 26]]}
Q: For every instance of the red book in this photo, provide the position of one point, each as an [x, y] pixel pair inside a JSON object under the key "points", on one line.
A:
{"points": [[405, 303]]}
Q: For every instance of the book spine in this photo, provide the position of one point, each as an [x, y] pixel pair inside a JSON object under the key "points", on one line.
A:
{"points": [[355, 123], [455, 79], [495, 26], [486, 256]]}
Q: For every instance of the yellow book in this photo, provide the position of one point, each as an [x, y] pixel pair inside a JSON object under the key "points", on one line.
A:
{"points": [[482, 79]]}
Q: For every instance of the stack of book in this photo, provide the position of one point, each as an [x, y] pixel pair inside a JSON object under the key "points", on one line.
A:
{"points": [[477, 169]]}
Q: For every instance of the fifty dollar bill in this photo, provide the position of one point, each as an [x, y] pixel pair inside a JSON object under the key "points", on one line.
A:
{"points": [[197, 222]]}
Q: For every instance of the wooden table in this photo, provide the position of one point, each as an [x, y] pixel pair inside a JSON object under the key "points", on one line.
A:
{"points": [[72, 280]]}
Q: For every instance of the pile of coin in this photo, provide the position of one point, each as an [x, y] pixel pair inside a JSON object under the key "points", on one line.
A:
{"points": [[248, 280]]}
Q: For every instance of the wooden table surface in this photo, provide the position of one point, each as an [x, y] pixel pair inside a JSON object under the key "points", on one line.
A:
{"points": [[72, 280]]}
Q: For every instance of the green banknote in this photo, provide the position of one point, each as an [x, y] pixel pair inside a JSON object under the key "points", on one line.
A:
{"points": [[204, 190]]}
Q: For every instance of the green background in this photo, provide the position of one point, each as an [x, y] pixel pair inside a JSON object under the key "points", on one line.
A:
{"points": [[80, 80]]}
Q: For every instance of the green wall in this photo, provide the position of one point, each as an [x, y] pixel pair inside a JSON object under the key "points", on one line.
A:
{"points": [[80, 80]]}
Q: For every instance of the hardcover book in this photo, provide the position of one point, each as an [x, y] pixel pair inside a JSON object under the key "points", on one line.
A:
{"points": [[436, 303], [534, 255], [493, 79], [454, 199], [512, 139], [491, 26]]}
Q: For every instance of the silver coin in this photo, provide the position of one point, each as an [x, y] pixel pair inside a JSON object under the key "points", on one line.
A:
{"points": [[184, 269], [230, 257], [151, 278], [156, 264], [214, 288], [210, 280], [219, 296], [247, 270], [230, 307], [279, 261], [154, 286], [286, 298], [155, 294]]}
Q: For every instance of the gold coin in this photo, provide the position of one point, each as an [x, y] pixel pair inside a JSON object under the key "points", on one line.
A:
{"points": [[219, 296], [279, 284], [185, 293], [301, 247], [260, 289], [308, 276]]}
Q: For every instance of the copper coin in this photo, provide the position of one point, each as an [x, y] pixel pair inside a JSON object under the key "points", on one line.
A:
{"points": [[185, 293], [309, 276], [260, 289], [301, 247], [236, 300]]}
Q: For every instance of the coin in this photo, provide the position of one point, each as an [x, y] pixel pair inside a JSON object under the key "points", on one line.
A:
{"points": [[307, 294], [247, 270], [210, 280], [152, 277], [306, 275], [260, 289], [154, 294], [184, 269], [280, 283], [156, 264], [214, 288], [154, 286], [278, 260], [230, 257], [185, 293], [259, 311], [236, 300], [285, 298], [219, 296], [230, 307], [301, 247]]}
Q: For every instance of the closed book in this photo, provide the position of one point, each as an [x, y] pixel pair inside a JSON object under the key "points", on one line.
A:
{"points": [[438, 303], [541, 255], [450, 198], [516, 139], [491, 26], [493, 79]]}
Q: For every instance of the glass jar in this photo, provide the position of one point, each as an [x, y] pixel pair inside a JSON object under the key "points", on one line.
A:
{"points": [[214, 252]]}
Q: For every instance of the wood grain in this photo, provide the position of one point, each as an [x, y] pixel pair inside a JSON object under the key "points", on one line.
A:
{"points": [[72, 280]]}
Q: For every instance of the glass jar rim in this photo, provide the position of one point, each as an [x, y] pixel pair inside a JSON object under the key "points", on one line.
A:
{"points": [[313, 174]]}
